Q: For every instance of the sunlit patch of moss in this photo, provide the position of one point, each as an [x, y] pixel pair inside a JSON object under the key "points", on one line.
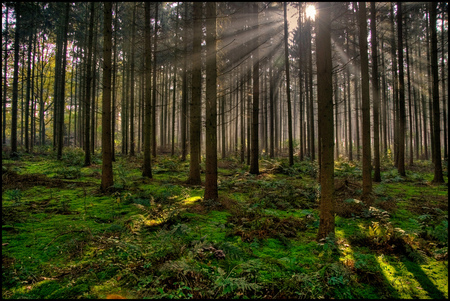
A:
{"points": [[191, 200], [411, 280]]}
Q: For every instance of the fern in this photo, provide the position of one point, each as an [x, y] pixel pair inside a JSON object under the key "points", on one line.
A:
{"points": [[226, 284]]}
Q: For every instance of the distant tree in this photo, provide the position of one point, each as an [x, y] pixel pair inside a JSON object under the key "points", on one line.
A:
{"points": [[211, 190], [107, 171], [325, 108]]}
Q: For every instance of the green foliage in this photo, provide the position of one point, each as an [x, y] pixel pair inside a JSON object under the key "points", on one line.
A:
{"points": [[14, 196], [149, 240], [69, 172], [73, 156]]}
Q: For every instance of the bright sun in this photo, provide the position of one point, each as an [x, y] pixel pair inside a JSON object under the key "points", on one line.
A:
{"points": [[310, 12]]}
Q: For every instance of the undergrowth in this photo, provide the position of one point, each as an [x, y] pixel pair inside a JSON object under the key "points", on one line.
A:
{"points": [[158, 238]]}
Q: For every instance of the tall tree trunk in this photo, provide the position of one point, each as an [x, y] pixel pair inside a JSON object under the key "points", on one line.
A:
{"points": [[114, 72], [15, 93], [366, 152], [408, 74], [325, 108], [63, 83], [94, 86], [5, 79], [288, 89], [155, 43], [376, 96], [107, 171], [402, 120], [87, 155], [28, 95], [175, 70], [254, 156], [132, 83], [211, 190], [184, 90], [195, 110], [438, 177], [147, 170], [444, 97]]}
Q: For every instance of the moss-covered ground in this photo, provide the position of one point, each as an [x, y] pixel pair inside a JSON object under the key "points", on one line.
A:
{"points": [[157, 238]]}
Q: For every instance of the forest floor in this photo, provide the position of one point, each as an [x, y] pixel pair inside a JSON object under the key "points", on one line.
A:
{"points": [[62, 238]]}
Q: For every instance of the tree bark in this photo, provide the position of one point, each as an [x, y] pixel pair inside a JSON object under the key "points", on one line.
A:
{"points": [[107, 171], [438, 177], [254, 156], [87, 155], [401, 103], [376, 95], [365, 107], [288, 89], [195, 110], [147, 170], [211, 190], [325, 107]]}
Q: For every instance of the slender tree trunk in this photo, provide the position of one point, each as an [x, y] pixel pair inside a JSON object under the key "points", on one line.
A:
{"points": [[155, 43], [376, 96], [438, 177], [211, 190], [366, 152], [28, 95], [132, 83], [63, 83], [184, 91], [430, 86], [15, 93], [87, 156], [325, 108], [402, 120], [147, 170], [408, 74], [288, 89], [195, 110], [444, 96], [107, 171], [272, 110], [94, 84], [175, 69], [5, 78], [114, 92], [254, 156]]}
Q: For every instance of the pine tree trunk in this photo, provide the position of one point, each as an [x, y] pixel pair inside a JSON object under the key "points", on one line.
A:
{"points": [[376, 95], [288, 89], [438, 176], [211, 190], [366, 151], [107, 171], [195, 110], [147, 170], [87, 155], [254, 155], [325, 109]]}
